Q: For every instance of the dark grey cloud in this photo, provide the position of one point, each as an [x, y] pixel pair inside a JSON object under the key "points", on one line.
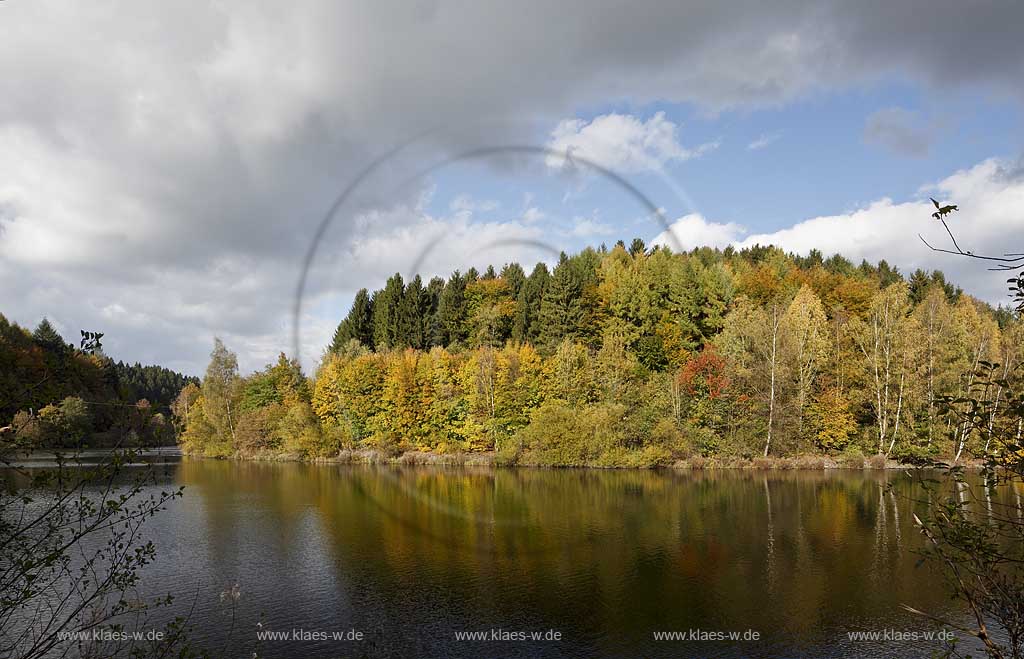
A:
{"points": [[164, 164], [902, 131]]}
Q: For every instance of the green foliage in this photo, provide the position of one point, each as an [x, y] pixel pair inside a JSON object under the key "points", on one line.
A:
{"points": [[389, 325], [450, 326], [159, 385], [358, 325], [526, 327], [47, 337], [561, 310]]}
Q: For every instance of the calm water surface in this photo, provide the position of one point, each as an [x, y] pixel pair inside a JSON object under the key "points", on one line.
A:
{"points": [[411, 556]]}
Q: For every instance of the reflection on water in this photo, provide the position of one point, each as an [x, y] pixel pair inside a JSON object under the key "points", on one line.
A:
{"points": [[409, 556], [92, 457]]}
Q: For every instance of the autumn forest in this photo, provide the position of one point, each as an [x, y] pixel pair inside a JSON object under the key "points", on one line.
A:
{"points": [[627, 356]]}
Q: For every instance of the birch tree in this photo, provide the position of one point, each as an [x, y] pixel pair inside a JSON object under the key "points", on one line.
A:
{"points": [[886, 340], [935, 318], [752, 341], [806, 345]]}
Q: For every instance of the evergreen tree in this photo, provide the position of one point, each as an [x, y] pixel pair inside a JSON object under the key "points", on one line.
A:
{"points": [[451, 323], [357, 325], [918, 282], [526, 322], [431, 300], [561, 311], [637, 247], [410, 316], [514, 276], [48, 338], [387, 313]]}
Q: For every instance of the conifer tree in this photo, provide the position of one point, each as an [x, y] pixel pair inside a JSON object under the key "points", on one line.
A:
{"points": [[357, 325], [526, 322], [386, 314], [451, 312], [514, 276], [47, 337], [410, 317], [561, 311], [431, 300]]}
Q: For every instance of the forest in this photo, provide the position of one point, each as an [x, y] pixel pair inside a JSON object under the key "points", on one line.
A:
{"points": [[629, 356], [53, 394]]}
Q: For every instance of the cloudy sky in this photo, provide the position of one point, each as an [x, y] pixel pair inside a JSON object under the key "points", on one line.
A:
{"points": [[164, 167]]}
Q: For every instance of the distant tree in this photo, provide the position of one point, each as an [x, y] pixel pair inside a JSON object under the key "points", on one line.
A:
{"points": [[886, 341], [561, 310], [410, 331], [526, 326], [452, 314], [431, 300], [637, 247], [805, 344], [220, 390], [514, 276], [387, 315], [48, 338], [358, 324]]}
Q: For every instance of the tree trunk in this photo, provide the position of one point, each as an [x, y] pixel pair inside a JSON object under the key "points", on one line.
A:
{"points": [[771, 391]]}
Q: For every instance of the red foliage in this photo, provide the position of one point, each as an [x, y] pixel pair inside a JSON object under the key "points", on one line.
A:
{"points": [[704, 373]]}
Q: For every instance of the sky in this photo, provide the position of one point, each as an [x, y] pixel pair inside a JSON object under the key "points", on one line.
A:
{"points": [[167, 169]]}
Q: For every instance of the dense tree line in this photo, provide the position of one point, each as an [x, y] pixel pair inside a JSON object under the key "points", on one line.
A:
{"points": [[157, 384], [631, 356], [55, 394]]}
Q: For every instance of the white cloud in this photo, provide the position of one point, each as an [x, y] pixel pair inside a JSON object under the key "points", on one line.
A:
{"points": [[763, 141], [694, 230], [465, 202], [533, 214], [620, 142], [585, 227], [989, 194]]}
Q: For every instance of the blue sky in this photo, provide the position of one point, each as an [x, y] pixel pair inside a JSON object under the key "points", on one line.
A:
{"points": [[816, 160]]}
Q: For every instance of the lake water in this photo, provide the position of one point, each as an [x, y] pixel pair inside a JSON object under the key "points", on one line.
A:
{"points": [[412, 558]]}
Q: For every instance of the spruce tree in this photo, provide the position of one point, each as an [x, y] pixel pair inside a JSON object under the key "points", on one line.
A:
{"points": [[410, 317], [560, 311], [357, 325], [526, 323], [48, 338], [386, 311], [452, 323], [431, 328], [514, 276]]}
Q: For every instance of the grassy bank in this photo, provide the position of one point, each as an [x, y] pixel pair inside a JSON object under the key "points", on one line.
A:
{"points": [[493, 459]]}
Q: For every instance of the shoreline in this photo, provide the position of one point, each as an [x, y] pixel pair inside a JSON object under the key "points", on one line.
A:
{"points": [[490, 460]]}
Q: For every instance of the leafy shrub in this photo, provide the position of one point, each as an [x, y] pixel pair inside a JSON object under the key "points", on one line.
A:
{"points": [[257, 429]]}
